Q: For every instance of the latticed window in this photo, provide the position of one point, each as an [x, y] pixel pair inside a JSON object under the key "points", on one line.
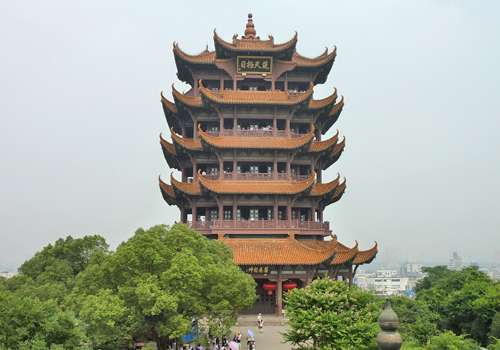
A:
{"points": [[302, 218], [227, 214], [280, 215], [214, 171], [269, 169], [254, 213], [254, 169], [239, 169], [214, 215], [269, 214], [238, 214], [294, 215]]}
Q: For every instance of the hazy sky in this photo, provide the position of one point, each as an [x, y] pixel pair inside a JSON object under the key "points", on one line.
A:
{"points": [[80, 116]]}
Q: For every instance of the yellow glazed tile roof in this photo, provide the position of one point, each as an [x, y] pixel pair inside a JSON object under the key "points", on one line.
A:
{"points": [[191, 144], [185, 99], [245, 45], [255, 187], [323, 189], [364, 256], [318, 146], [316, 104], [255, 97], [284, 251], [314, 62], [256, 142]]}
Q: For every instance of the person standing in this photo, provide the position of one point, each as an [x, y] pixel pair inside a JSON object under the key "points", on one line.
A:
{"points": [[260, 323]]}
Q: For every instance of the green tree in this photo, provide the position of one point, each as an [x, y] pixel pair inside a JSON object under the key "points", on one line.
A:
{"points": [[27, 323], [465, 300], [416, 321], [450, 341], [329, 314], [156, 283], [75, 252]]}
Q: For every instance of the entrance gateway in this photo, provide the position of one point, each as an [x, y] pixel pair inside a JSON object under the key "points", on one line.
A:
{"points": [[247, 139]]}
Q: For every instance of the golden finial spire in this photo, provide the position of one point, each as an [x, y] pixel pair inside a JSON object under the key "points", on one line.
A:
{"points": [[250, 32]]}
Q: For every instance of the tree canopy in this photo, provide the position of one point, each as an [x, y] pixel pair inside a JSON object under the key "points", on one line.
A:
{"points": [[329, 314], [156, 283]]}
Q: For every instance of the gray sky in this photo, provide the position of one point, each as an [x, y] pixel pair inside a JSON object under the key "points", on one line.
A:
{"points": [[80, 116]]}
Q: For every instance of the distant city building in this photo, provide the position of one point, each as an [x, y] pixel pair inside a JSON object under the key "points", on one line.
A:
{"points": [[386, 273], [383, 282], [455, 263], [411, 269], [7, 274]]}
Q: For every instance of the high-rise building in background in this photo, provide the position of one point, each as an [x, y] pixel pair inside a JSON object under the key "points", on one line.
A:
{"points": [[247, 139], [455, 263]]}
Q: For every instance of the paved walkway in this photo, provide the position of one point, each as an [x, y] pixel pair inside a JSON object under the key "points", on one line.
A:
{"points": [[271, 338]]}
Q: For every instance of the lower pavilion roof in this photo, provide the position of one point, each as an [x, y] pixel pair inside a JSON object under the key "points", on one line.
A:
{"points": [[255, 187], [331, 191], [232, 97], [290, 251], [258, 142]]}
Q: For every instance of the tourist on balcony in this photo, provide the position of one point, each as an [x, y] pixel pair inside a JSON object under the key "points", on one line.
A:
{"points": [[203, 173]]}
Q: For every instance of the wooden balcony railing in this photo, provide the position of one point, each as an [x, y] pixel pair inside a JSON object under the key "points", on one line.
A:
{"points": [[259, 224], [253, 133], [253, 177]]}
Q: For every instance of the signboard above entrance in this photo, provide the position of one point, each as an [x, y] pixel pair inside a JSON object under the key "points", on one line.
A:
{"points": [[254, 65]]}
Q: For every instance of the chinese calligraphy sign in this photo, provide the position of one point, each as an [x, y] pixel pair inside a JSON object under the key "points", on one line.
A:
{"points": [[254, 64], [257, 269]]}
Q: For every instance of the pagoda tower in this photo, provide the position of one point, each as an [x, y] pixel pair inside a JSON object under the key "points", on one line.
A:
{"points": [[246, 138]]}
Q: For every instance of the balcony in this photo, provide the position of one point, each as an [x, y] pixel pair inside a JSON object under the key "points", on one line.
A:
{"points": [[254, 133], [268, 226], [252, 177]]}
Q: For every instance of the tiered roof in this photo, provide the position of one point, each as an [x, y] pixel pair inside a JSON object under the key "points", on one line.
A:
{"points": [[290, 251], [225, 49], [255, 187], [235, 142], [235, 97]]}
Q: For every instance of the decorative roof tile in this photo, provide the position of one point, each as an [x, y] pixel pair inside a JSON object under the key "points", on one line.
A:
{"points": [[169, 147], [205, 57], [319, 146], [256, 142], [167, 192], [338, 107], [171, 106], [255, 97], [317, 104], [255, 187], [314, 62], [248, 45], [185, 99], [284, 251], [189, 188], [345, 256], [324, 189], [366, 256], [191, 144]]}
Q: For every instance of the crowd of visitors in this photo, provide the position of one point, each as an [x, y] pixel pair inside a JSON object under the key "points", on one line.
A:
{"points": [[235, 344]]}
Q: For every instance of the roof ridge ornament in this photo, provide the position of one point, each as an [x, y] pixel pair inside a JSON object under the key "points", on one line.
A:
{"points": [[250, 32]]}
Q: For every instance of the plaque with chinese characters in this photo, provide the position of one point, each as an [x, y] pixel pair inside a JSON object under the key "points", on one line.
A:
{"points": [[254, 65], [257, 269]]}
